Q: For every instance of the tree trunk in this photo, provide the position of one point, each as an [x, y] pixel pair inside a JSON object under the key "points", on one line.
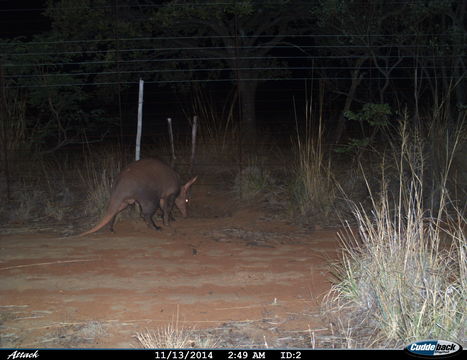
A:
{"points": [[247, 97], [357, 77]]}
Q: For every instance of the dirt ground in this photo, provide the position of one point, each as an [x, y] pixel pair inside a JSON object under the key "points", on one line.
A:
{"points": [[235, 272]]}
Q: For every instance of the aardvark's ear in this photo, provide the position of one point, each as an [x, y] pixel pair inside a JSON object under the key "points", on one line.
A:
{"points": [[189, 183]]}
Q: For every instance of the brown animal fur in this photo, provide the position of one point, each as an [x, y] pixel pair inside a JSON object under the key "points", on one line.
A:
{"points": [[153, 185]]}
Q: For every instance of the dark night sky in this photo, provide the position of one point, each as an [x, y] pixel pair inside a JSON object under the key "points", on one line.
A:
{"points": [[22, 18]]}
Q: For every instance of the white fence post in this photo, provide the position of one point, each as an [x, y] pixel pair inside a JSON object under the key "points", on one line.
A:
{"points": [[194, 128], [140, 120], [171, 138]]}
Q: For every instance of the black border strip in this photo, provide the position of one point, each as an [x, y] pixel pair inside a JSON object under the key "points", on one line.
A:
{"points": [[203, 354]]}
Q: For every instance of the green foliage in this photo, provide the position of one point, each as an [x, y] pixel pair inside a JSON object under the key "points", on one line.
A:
{"points": [[71, 75], [358, 22], [227, 33], [56, 112], [54, 71], [375, 115], [112, 44]]}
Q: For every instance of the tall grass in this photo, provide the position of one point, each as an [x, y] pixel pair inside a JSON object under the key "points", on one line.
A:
{"points": [[433, 151], [218, 133], [312, 189], [403, 271], [98, 172], [41, 190]]}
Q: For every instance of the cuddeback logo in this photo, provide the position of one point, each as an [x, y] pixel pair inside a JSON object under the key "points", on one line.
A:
{"points": [[433, 348]]}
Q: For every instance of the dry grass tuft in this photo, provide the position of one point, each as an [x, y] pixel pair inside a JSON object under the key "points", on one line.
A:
{"points": [[312, 190], [174, 336], [403, 271]]}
